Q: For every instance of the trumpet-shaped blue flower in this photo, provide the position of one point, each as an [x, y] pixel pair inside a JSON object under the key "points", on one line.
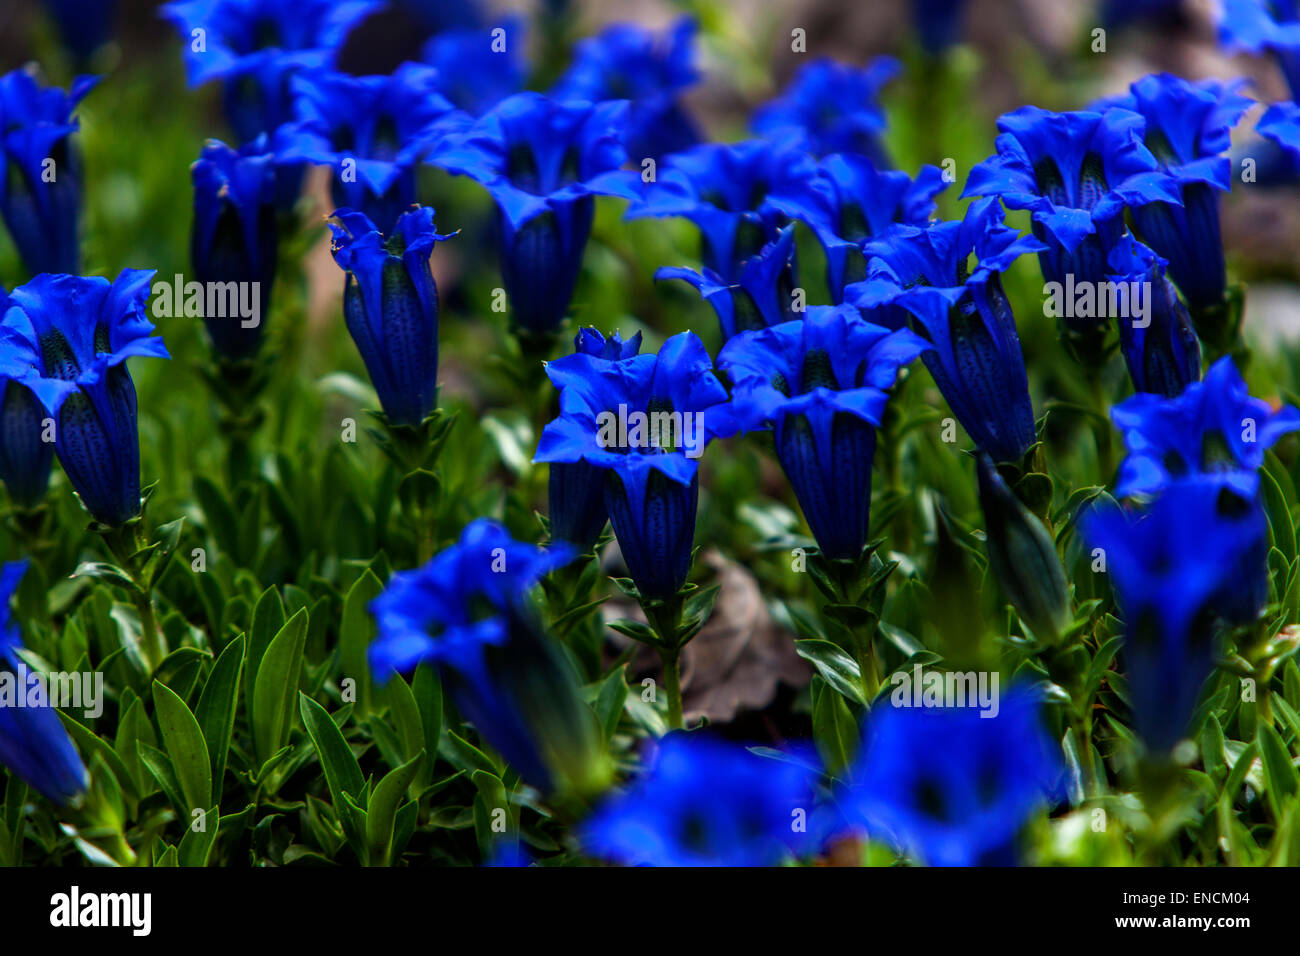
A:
{"points": [[40, 170], [1188, 130], [962, 312], [255, 47], [372, 132], [33, 743], [25, 459], [1280, 125], [819, 384], [723, 188], [577, 489], [1214, 430], [1198, 553], [473, 75], [1160, 348], [704, 802], [390, 304], [68, 341], [649, 70], [850, 201], [953, 786], [832, 107], [467, 612], [85, 25], [542, 160], [1259, 26], [762, 294], [235, 234], [645, 421]]}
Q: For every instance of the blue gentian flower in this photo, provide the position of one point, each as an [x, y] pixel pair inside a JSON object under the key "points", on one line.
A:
{"points": [[962, 312], [1214, 430], [1161, 349], [645, 421], [819, 384], [371, 131], [256, 46], [1280, 125], [762, 294], [85, 25], [628, 62], [1121, 13], [1188, 130], [235, 234], [1199, 552], [25, 460], [1076, 172], [439, 16], [723, 188], [939, 23], [390, 304], [33, 743], [39, 202], [577, 489], [850, 201], [68, 341], [705, 802], [467, 612], [471, 74], [543, 161], [1259, 26], [953, 786], [832, 107]]}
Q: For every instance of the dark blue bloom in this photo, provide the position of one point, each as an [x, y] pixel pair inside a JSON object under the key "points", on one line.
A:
{"points": [[723, 188], [40, 170], [1280, 126], [1160, 345], [953, 786], [645, 421], [705, 802], [543, 161], [577, 489], [33, 743], [1188, 130], [68, 341], [939, 22], [473, 75], [1214, 430], [832, 107], [1257, 26], [85, 25], [850, 201], [390, 304], [1121, 13], [25, 459], [762, 294], [235, 234], [819, 384], [371, 131], [467, 613], [255, 46], [960, 309], [1197, 553], [628, 62]]}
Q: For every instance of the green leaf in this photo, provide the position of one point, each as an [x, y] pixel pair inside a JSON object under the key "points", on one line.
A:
{"points": [[356, 632], [834, 730], [610, 700], [183, 741], [381, 812], [342, 772], [196, 846], [1279, 772], [268, 619], [216, 709], [277, 683], [836, 668]]}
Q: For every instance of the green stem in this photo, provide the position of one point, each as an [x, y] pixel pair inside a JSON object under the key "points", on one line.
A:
{"points": [[673, 686], [864, 644], [1101, 425]]}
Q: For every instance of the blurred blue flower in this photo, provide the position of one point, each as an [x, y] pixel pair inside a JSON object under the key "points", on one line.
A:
{"points": [[1198, 552], [1161, 349], [25, 460], [542, 160], [390, 304], [256, 46], [1121, 13], [371, 131], [645, 421], [850, 201], [832, 107], [705, 802], [939, 23], [40, 170], [85, 25], [953, 786], [820, 385], [576, 491], [962, 312], [762, 294], [467, 612], [472, 75], [33, 743], [649, 70], [1259, 26], [1214, 430], [1280, 126], [1188, 130], [68, 341], [235, 234], [439, 15]]}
